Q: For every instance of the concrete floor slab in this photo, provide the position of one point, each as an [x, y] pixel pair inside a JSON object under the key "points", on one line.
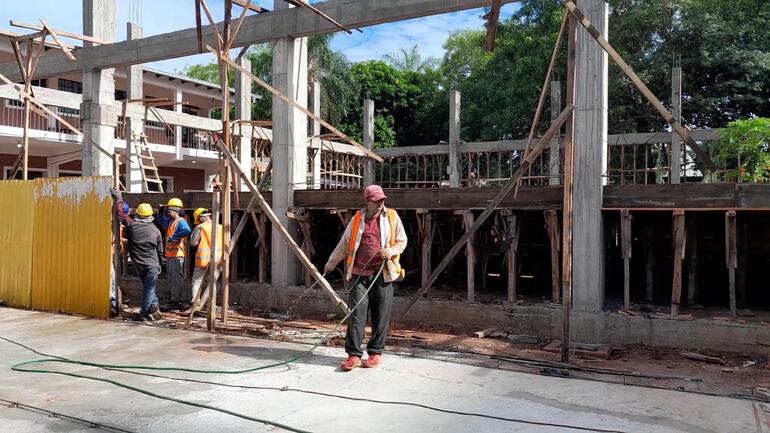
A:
{"points": [[593, 406]]}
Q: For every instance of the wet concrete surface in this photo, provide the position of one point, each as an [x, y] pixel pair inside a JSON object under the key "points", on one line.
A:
{"points": [[281, 394]]}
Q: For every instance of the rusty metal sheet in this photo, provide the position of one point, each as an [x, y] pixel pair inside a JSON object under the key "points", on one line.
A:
{"points": [[16, 242], [71, 245]]}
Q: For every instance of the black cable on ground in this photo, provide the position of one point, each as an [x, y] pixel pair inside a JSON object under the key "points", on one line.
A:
{"points": [[49, 413]]}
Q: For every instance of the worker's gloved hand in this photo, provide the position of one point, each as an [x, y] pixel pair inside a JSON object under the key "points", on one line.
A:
{"points": [[115, 193], [328, 268], [384, 254]]}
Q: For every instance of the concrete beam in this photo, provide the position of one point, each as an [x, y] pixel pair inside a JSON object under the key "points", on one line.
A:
{"points": [[257, 29], [590, 160]]}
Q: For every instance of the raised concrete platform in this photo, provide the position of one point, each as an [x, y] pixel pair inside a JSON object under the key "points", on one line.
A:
{"points": [[537, 319], [539, 399]]}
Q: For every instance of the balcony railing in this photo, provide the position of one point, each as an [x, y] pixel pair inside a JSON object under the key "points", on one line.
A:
{"points": [[12, 114]]}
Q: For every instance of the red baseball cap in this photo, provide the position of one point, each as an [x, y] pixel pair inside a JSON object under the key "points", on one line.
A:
{"points": [[374, 193]]}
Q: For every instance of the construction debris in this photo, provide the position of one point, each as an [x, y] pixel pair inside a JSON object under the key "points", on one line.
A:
{"points": [[484, 333], [704, 358]]}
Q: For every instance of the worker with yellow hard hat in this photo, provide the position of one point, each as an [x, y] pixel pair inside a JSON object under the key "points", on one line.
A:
{"points": [[177, 230], [145, 246], [201, 237]]}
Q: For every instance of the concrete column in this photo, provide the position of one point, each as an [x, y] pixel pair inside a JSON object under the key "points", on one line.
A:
{"points": [[134, 90], [369, 140], [554, 153], [676, 110], [98, 117], [316, 141], [51, 169], [590, 158], [289, 152], [243, 112], [178, 98], [454, 138]]}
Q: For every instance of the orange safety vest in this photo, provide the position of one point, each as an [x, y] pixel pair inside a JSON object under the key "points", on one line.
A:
{"points": [[174, 249], [354, 235], [203, 254]]}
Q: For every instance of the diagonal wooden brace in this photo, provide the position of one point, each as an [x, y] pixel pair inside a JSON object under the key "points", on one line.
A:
{"points": [[325, 286]]}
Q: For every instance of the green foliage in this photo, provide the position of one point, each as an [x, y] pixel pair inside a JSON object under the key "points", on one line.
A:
{"points": [[744, 150]]}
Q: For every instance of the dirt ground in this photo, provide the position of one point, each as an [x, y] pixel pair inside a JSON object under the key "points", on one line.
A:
{"points": [[727, 374]]}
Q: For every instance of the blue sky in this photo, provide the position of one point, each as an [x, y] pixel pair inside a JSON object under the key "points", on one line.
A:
{"points": [[164, 16]]}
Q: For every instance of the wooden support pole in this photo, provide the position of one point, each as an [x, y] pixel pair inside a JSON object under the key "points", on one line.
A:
{"points": [[502, 194], [282, 230], [676, 141], [492, 23], [626, 247], [554, 239], [264, 248], [568, 208], [649, 263], [731, 256], [425, 222], [692, 261], [513, 253], [679, 237], [213, 273], [646, 92], [470, 255]]}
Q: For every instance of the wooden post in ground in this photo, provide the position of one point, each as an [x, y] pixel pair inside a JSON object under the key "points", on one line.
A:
{"points": [[554, 239], [692, 261], [212, 311], [470, 254], [649, 262], [731, 255], [626, 242], [302, 216], [678, 235], [568, 212], [513, 252], [261, 225], [425, 223]]}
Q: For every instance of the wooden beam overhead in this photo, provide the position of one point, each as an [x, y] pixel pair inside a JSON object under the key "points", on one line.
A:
{"points": [[492, 23], [252, 7], [63, 33]]}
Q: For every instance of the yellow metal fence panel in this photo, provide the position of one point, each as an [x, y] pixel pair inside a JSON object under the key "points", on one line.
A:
{"points": [[71, 247], [16, 243]]}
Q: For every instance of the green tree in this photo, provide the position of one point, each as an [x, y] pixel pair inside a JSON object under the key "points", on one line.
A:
{"points": [[744, 150], [409, 60]]}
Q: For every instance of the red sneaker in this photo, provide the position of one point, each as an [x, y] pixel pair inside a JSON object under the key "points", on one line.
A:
{"points": [[372, 361], [352, 362]]}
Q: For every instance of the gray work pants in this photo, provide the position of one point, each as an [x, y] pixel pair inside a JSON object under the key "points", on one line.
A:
{"points": [[379, 301], [175, 273]]}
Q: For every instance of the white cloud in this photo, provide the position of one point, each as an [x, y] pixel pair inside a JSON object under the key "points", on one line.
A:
{"points": [[165, 16]]}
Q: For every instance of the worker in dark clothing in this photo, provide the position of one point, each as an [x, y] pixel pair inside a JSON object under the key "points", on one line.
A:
{"points": [[145, 246]]}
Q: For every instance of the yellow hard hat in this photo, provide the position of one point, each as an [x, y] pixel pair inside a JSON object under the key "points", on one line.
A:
{"points": [[175, 202], [198, 212], [144, 210]]}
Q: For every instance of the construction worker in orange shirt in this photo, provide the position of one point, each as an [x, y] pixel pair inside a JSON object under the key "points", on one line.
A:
{"points": [[176, 235]]}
